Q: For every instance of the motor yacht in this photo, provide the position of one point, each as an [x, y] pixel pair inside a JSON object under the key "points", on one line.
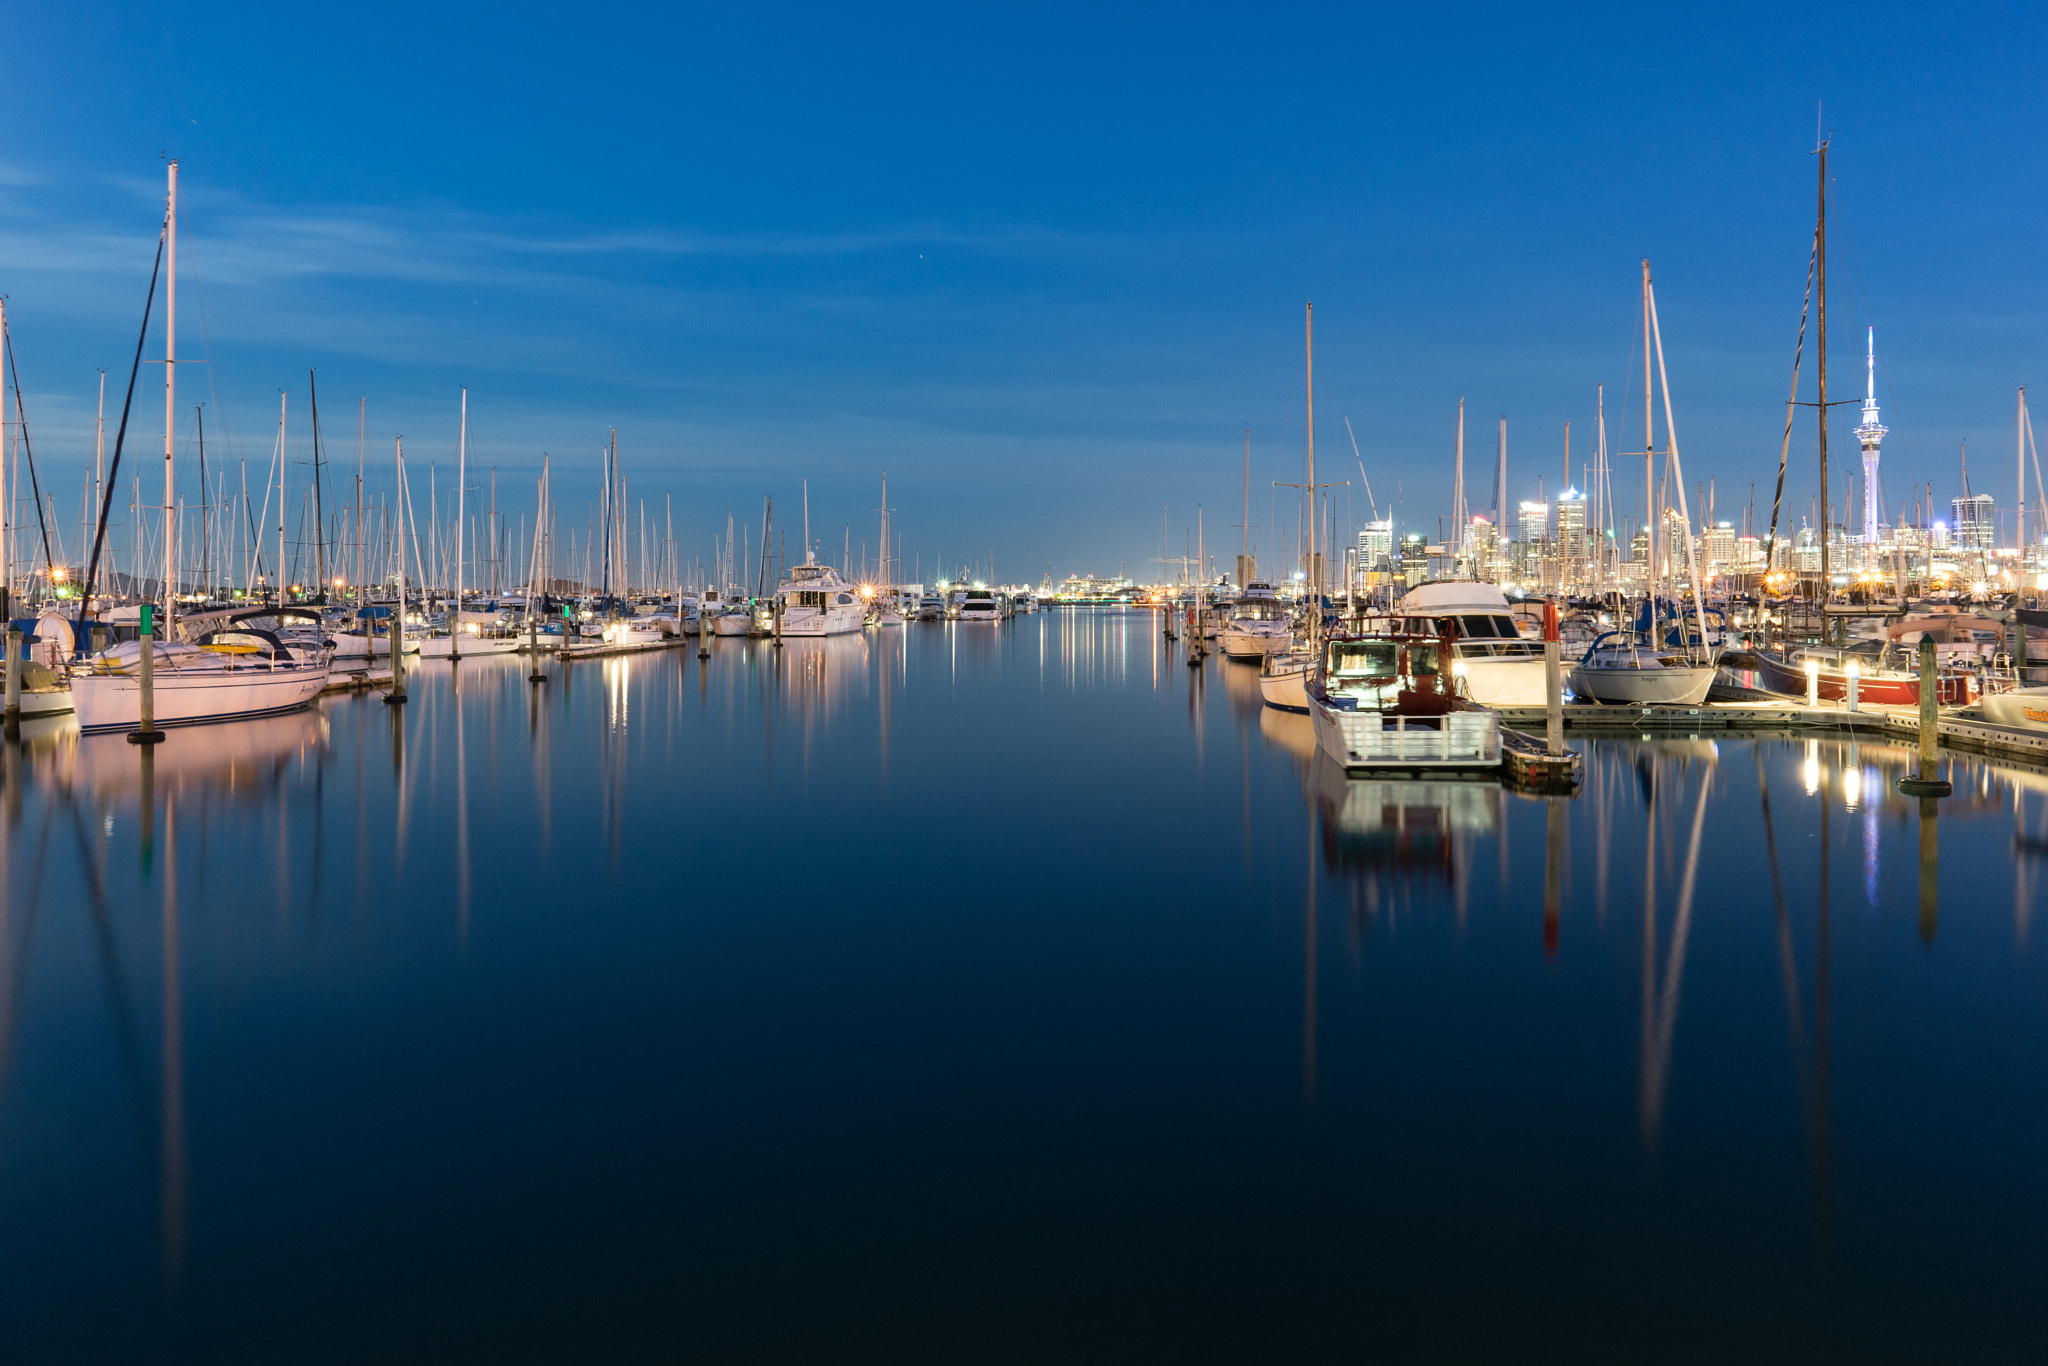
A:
{"points": [[1501, 667], [1389, 700], [976, 604], [1256, 625], [815, 601]]}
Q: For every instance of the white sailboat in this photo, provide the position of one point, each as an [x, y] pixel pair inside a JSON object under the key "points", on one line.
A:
{"points": [[233, 668], [1638, 672]]}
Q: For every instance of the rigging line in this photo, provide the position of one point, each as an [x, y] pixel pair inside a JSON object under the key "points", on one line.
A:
{"points": [[1361, 469], [21, 419], [1791, 397], [188, 245], [78, 633]]}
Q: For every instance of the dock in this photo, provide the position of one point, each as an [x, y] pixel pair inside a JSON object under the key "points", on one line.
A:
{"points": [[600, 651], [1791, 716]]}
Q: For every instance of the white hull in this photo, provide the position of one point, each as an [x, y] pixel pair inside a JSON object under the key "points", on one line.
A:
{"points": [[355, 645], [1660, 687], [1364, 739], [888, 619], [1505, 682], [49, 702], [441, 647], [1253, 645], [2024, 707], [833, 621], [732, 624], [186, 698], [1285, 687]]}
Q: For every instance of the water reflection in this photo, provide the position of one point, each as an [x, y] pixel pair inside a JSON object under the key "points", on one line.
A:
{"points": [[697, 964]]}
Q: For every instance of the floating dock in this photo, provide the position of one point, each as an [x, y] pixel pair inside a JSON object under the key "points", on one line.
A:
{"points": [[1788, 716]]}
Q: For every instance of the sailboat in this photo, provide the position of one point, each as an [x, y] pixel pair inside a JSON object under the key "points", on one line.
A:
{"points": [[1284, 675], [223, 666], [469, 633], [888, 598], [1641, 670]]}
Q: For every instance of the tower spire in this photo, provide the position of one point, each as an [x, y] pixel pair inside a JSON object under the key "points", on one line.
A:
{"points": [[1871, 434]]}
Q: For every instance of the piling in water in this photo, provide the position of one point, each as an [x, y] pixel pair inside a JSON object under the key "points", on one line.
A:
{"points": [[146, 733], [1926, 783], [14, 647]]}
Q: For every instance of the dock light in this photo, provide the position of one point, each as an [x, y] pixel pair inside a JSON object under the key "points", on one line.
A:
{"points": [[1812, 682], [59, 575], [1855, 672]]}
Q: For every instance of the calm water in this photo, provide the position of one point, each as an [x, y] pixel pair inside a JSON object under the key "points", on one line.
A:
{"points": [[1011, 994]]}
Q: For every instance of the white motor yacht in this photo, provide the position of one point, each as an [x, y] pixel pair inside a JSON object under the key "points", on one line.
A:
{"points": [[815, 601], [1256, 625], [976, 604], [1500, 667]]}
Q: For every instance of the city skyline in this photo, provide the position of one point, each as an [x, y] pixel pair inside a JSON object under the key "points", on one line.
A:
{"points": [[846, 245]]}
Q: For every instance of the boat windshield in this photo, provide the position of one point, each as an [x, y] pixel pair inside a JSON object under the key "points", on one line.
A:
{"points": [[1364, 658]]}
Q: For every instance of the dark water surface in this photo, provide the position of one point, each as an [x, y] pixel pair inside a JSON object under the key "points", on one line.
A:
{"points": [[1002, 994]]}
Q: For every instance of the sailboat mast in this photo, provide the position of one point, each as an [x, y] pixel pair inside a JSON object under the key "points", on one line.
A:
{"points": [[362, 572], [205, 579], [319, 512], [1820, 356], [1649, 447], [1244, 549], [170, 401], [461, 489], [281, 397], [1309, 353]]}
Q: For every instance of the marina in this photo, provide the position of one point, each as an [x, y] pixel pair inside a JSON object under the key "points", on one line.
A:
{"points": [[953, 685], [498, 930]]}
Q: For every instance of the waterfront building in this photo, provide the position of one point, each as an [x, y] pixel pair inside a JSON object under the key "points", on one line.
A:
{"points": [[1718, 554], [1976, 522], [1376, 545], [1571, 533], [1413, 566]]}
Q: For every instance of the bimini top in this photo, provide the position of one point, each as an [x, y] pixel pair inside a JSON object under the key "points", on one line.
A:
{"points": [[191, 628], [813, 576], [1459, 595]]}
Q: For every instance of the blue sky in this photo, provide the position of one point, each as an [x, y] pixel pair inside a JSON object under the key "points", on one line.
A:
{"points": [[1042, 264]]}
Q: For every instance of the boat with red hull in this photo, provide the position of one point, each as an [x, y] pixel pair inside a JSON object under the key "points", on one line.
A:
{"points": [[1878, 685]]}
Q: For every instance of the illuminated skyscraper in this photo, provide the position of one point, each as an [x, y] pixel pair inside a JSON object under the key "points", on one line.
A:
{"points": [[1571, 528], [1976, 522], [1871, 434]]}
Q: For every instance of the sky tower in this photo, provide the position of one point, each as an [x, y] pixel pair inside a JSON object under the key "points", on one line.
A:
{"points": [[1871, 433]]}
